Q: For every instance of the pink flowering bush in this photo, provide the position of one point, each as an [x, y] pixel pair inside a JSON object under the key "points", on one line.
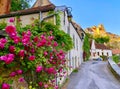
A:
{"points": [[39, 57]]}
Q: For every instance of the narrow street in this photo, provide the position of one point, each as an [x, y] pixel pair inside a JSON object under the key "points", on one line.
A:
{"points": [[93, 75]]}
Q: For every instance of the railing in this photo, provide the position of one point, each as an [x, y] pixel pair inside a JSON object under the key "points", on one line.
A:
{"points": [[114, 68]]}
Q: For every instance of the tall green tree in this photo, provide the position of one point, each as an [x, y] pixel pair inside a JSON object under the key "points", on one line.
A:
{"points": [[20, 4]]}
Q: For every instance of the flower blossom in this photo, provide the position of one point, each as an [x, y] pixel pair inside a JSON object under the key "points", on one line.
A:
{"points": [[40, 84], [21, 79], [21, 53], [51, 70], [12, 49], [5, 86], [3, 41], [55, 44], [32, 58], [12, 20], [39, 69], [12, 74], [19, 72]]}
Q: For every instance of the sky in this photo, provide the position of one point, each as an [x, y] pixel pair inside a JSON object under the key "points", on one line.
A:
{"points": [[89, 13]]}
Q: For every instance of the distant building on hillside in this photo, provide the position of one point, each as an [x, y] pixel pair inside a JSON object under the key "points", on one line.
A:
{"points": [[98, 50]]}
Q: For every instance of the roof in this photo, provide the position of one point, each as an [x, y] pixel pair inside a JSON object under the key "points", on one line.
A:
{"points": [[79, 30], [30, 11], [115, 51], [101, 46]]}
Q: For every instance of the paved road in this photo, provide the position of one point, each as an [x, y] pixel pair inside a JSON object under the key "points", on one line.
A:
{"points": [[93, 75]]}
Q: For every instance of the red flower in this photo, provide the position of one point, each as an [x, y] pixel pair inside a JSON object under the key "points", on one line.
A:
{"points": [[40, 84], [5, 86], [16, 39], [21, 53], [55, 44], [36, 39], [12, 74], [51, 70], [32, 58], [10, 29], [39, 69], [12, 49]]}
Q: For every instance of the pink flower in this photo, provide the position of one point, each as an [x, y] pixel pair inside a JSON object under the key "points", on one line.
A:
{"points": [[21, 80], [19, 71], [39, 69], [12, 74], [32, 50], [55, 44], [42, 36], [1, 45], [56, 87], [40, 84], [3, 58], [51, 37], [51, 70], [10, 29], [41, 43], [9, 60], [3, 40], [28, 33], [21, 53], [45, 85], [45, 53], [10, 55], [5, 86], [32, 58], [16, 39], [12, 20], [25, 40], [12, 49]]}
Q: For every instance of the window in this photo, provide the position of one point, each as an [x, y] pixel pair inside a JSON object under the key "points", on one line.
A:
{"points": [[102, 53], [98, 53]]}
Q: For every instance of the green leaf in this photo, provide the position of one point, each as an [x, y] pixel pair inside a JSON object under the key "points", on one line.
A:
{"points": [[10, 81]]}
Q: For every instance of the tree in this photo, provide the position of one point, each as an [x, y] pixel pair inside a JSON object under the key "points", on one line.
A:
{"points": [[20, 4], [102, 40]]}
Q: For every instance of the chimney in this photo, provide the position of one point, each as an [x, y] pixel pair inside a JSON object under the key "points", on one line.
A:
{"points": [[5, 6], [41, 3]]}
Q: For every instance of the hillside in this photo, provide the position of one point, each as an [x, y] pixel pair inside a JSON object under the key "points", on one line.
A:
{"points": [[100, 31]]}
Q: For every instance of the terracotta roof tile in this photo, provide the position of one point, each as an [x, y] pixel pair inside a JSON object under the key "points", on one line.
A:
{"points": [[101, 46], [116, 51]]}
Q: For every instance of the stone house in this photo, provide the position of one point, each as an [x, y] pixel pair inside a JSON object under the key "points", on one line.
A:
{"points": [[98, 50], [40, 11]]}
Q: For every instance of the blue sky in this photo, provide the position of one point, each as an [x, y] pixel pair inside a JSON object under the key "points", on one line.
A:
{"points": [[93, 12]]}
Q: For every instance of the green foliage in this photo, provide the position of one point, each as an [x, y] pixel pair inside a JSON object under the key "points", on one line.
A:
{"points": [[60, 36], [105, 58], [86, 48], [19, 4], [102, 40], [3, 24], [75, 70], [116, 58]]}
